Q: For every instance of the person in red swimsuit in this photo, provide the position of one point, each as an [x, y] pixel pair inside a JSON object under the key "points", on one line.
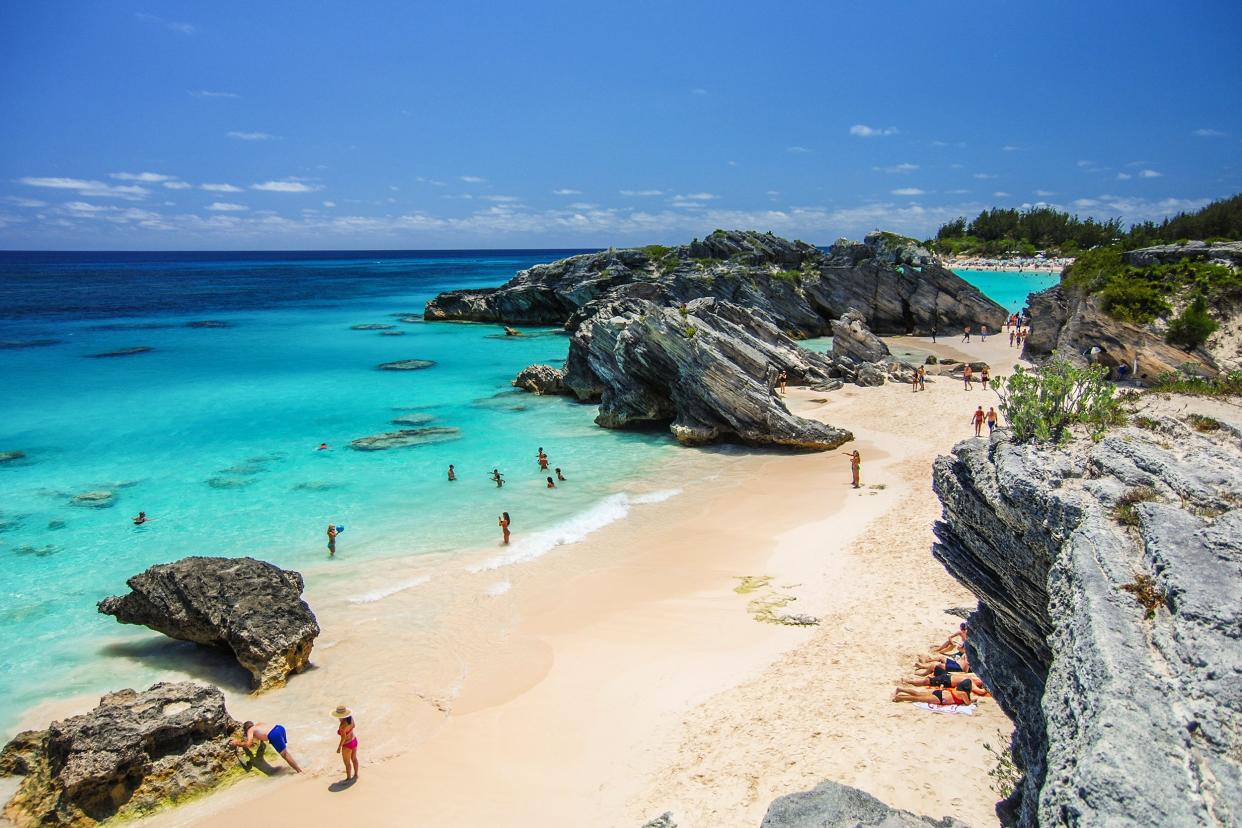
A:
{"points": [[348, 746], [961, 694]]}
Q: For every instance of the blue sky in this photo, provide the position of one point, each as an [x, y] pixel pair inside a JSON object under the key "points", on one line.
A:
{"points": [[284, 125]]}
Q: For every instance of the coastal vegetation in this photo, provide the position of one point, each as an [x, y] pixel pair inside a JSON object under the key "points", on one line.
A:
{"points": [[1042, 404], [1145, 591], [1192, 384]]}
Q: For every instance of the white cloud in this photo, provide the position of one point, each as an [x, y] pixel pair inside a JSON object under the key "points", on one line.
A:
{"points": [[1124, 176], [1000, 194], [957, 192], [220, 188], [897, 168], [251, 136], [1044, 193], [84, 207], [909, 191], [145, 177], [698, 90], [1084, 163], [501, 199], [286, 186], [472, 179], [226, 207], [797, 150], [864, 131], [984, 176], [696, 197], [207, 93], [18, 201], [566, 191], [1210, 133], [1149, 174], [433, 182], [582, 205], [92, 189], [178, 185], [731, 163], [329, 204], [171, 25], [641, 193], [772, 193], [1010, 148]]}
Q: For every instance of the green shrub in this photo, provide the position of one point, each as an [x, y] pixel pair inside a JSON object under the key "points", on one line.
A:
{"points": [[656, 251], [1203, 424], [793, 276], [1043, 403], [1192, 327], [1123, 511], [1191, 384]]}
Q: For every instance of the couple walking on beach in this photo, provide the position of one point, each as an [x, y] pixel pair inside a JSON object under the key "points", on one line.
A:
{"points": [[258, 733]]}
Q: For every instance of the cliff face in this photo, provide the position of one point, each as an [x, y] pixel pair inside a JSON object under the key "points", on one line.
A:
{"points": [[1120, 719], [898, 286]]}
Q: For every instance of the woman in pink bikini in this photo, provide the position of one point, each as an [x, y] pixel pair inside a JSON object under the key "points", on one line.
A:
{"points": [[348, 746]]}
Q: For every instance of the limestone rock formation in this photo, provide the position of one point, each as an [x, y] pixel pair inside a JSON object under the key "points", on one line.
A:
{"points": [[130, 755], [898, 286], [1226, 253], [406, 438], [541, 379], [708, 368], [853, 339], [1121, 718], [252, 608], [833, 805]]}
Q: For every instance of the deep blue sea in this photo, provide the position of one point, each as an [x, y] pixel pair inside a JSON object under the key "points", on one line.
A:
{"points": [[249, 361]]}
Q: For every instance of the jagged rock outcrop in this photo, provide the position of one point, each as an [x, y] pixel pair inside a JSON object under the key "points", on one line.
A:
{"points": [[1071, 323], [899, 286], [853, 339], [541, 379], [252, 608], [130, 755], [708, 368], [833, 805], [1226, 253], [1120, 719]]}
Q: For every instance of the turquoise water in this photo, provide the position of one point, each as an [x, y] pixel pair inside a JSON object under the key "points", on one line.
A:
{"points": [[1007, 288], [213, 433]]}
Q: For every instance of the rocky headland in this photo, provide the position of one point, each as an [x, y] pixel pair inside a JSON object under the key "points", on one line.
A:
{"points": [[1071, 318], [695, 337], [250, 608], [133, 753], [1109, 579]]}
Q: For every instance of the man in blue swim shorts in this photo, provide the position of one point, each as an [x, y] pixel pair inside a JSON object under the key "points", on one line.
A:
{"points": [[257, 732]]}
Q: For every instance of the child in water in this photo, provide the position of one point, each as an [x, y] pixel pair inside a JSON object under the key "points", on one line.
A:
{"points": [[560, 476], [551, 485], [452, 475]]}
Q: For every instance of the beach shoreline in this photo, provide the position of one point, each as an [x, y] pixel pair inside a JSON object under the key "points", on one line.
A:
{"points": [[622, 675]]}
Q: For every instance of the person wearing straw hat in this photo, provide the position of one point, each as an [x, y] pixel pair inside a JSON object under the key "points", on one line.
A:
{"points": [[348, 746]]}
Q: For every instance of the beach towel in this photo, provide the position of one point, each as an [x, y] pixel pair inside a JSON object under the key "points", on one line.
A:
{"points": [[952, 709]]}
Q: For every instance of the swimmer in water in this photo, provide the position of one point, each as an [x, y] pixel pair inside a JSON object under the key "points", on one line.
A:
{"points": [[504, 526], [560, 476], [551, 484], [452, 474], [496, 476], [322, 447], [141, 519]]}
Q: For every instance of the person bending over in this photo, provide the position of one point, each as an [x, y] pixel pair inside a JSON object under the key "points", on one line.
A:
{"points": [[258, 732]]}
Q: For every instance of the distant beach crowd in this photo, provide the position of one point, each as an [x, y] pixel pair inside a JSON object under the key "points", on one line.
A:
{"points": [[1036, 264]]}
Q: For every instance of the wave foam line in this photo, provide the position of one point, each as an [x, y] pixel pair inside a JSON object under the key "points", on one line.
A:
{"points": [[609, 510], [392, 589]]}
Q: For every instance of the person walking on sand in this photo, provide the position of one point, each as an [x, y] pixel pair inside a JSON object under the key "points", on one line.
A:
{"points": [[993, 418], [452, 474], [258, 732], [922, 375], [781, 379], [497, 478], [968, 376], [332, 533], [933, 333], [977, 418], [966, 334], [855, 465], [984, 376], [1011, 337], [504, 526], [348, 744], [983, 333], [560, 476], [914, 382], [543, 459]]}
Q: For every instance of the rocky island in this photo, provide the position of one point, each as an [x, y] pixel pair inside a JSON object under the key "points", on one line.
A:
{"points": [[695, 336]]}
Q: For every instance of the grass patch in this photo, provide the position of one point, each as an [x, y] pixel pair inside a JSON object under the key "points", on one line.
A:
{"points": [[1124, 511], [691, 331], [657, 251], [1203, 424], [1145, 591], [1145, 422], [1191, 384], [792, 276]]}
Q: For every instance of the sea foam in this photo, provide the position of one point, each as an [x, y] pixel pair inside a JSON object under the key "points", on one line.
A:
{"points": [[390, 590], [609, 510]]}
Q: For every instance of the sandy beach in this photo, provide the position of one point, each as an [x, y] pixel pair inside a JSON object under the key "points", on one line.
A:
{"points": [[622, 676]]}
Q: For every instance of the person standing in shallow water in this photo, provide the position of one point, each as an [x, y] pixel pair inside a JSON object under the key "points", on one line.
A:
{"points": [[855, 466], [452, 475], [497, 478], [332, 533], [348, 744], [551, 483], [543, 459], [504, 526], [560, 476]]}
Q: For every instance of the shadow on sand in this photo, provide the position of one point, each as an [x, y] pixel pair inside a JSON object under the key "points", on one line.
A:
{"points": [[342, 785]]}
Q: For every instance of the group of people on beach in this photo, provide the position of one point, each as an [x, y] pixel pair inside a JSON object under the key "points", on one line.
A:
{"points": [[256, 735], [943, 676]]}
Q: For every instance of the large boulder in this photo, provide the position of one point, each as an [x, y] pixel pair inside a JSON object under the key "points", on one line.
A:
{"points": [[541, 379], [833, 805], [1110, 610], [252, 608], [130, 755], [852, 338], [706, 369]]}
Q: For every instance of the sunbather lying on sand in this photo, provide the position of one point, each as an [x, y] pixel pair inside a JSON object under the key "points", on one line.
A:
{"points": [[957, 641], [945, 679], [952, 663], [961, 694]]}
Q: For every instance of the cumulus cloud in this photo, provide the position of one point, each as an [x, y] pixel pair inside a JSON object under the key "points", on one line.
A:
{"points": [[864, 131], [145, 177], [286, 186], [178, 185], [1149, 174], [472, 179], [226, 207], [251, 136], [220, 188], [909, 191], [566, 191], [641, 193], [1124, 176], [91, 189], [897, 168], [1210, 133]]}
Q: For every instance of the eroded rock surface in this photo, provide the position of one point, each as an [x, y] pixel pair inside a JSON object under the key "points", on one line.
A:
{"points": [[252, 608], [541, 379], [853, 339], [833, 805], [130, 755], [1120, 719]]}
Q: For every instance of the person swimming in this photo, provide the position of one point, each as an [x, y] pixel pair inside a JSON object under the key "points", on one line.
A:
{"points": [[452, 475], [560, 476], [498, 478], [551, 484], [141, 519], [322, 447]]}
